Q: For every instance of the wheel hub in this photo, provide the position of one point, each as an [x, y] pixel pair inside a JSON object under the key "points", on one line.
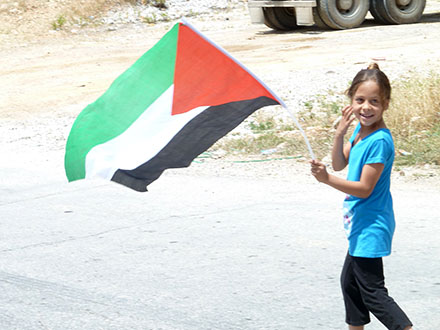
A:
{"points": [[347, 4], [403, 3]]}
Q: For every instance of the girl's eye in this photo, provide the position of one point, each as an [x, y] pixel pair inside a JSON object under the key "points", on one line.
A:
{"points": [[374, 101], [359, 100]]}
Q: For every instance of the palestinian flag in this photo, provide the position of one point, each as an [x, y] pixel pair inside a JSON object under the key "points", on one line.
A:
{"points": [[171, 105]]}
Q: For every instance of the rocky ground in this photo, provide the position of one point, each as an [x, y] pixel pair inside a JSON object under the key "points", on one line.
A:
{"points": [[21, 19]]}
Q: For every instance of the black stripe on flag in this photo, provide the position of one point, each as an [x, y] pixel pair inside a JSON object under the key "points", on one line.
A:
{"points": [[193, 139]]}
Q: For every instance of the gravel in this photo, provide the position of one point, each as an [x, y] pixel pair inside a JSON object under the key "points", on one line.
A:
{"points": [[174, 9]]}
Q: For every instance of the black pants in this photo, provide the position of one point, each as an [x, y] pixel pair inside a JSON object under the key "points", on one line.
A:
{"points": [[363, 287]]}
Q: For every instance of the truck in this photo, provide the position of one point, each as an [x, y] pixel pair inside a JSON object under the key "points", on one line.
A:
{"points": [[333, 14]]}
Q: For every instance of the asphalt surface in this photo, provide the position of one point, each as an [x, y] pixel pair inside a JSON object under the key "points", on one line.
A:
{"points": [[195, 252]]}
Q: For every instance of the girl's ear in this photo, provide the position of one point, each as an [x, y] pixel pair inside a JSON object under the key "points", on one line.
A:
{"points": [[386, 104]]}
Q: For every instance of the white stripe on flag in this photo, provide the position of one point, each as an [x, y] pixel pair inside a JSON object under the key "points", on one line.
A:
{"points": [[148, 135]]}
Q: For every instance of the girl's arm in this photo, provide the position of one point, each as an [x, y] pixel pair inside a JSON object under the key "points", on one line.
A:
{"points": [[362, 188], [340, 152]]}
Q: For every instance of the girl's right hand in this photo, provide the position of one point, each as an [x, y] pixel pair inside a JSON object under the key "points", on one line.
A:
{"points": [[346, 120], [319, 171]]}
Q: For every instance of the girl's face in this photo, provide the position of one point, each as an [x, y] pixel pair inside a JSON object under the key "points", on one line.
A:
{"points": [[368, 104]]}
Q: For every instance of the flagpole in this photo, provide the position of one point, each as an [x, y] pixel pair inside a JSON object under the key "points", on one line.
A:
{"points": [[312, 154], [185, 22]]}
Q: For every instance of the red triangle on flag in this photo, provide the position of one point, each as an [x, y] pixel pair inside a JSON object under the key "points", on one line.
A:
{"points": [[206, 76]]}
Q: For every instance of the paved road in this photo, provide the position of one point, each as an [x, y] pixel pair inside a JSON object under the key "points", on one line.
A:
{"points": [[195, 252]]}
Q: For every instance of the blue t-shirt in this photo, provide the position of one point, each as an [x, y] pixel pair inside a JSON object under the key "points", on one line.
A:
{"points": [[369, 222]]}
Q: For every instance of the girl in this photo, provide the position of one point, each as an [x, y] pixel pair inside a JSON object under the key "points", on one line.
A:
{"points": [[368, 208]]}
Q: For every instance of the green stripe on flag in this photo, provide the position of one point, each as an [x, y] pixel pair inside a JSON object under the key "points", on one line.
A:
{"points": [[126, 99]]}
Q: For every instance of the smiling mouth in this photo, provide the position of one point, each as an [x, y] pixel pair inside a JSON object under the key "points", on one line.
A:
{"points": [[366, 116]]}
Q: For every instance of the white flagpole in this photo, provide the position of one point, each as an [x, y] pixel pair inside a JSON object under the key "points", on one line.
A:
{"points": [[301, 130]]}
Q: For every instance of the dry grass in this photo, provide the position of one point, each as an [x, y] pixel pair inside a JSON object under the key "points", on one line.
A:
{"points": [[414, 119], [415, 106]]}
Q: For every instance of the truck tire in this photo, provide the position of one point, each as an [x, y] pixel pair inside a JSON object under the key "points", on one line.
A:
{"points": [[268, 20], [318, 20], [398, 11], [281, 18], [377, 13], [342, 14]]}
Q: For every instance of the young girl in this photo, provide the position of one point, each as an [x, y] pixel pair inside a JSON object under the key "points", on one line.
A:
{"points": [[368, 206]]}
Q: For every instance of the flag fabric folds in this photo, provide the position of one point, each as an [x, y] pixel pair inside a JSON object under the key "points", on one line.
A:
{"points": [[171, 105]]}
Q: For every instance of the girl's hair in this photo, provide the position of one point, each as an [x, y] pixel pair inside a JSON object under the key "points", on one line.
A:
{"points": [[371, 73]]}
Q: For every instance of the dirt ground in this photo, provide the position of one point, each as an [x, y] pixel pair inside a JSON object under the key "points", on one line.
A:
{"points": [[49, 76]]}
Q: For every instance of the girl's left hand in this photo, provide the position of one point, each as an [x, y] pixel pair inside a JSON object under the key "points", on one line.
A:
{"points": [[319, 171], [346, 120]]}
